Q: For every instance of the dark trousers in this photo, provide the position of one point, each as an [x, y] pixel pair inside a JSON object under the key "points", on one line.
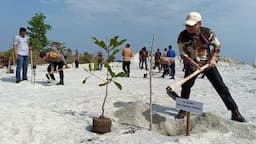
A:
{"points": [[126, 67], [144, 61], [56, 66], [172, 69], [166, 69], [157, 64], [49, 69], [215, 78], [76, 63]]}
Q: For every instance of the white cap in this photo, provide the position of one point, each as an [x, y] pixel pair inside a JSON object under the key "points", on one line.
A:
{"points": [[193, 18]]}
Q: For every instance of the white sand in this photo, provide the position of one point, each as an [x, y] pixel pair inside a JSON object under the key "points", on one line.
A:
{"points": [[38, 114]]}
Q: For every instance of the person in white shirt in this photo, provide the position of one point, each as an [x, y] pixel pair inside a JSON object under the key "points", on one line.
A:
{"points": [[21, 52]]}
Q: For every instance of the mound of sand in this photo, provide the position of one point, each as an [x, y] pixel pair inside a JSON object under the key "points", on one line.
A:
{"points": [[137, 113]]}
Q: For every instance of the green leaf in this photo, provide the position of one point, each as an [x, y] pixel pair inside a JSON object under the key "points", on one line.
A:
{"points": [[118, 85], [106, 65], [114, 52], [113, 41], [120, 74], [96, 65], [122, 42], [101, 44], [84, 81], [103, 84], [90, 67]]}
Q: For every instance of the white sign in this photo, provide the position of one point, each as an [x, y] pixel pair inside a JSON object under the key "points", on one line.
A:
{"points": [[189, 106]]}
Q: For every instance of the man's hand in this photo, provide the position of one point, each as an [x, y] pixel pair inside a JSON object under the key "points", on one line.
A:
{"points": [[16, 56], [213, 61], [190, 61]]}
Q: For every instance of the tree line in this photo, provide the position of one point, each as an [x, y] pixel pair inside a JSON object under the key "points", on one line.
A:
{"points": [[37, 30]]}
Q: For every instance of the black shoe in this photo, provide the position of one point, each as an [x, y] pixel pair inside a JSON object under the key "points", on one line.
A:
{"points": [[18, 81], [181, 114], [236, 116], [60, 83], [25, 79], [172, 77]]}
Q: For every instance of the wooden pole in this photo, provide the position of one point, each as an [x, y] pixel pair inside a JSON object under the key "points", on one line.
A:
{"points": [[188, 124], [31, 64], [150, 80]]}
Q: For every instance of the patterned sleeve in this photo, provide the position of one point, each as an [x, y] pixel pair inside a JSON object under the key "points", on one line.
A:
{"points": [[214, 42], [181, 45]]}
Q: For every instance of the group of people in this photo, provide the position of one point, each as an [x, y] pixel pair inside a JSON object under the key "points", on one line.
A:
{"points": [[195, 44], [22, 49], [165, 61]]}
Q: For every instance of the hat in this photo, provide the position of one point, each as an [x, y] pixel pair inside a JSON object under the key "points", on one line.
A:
{"points": [[193, 18]]}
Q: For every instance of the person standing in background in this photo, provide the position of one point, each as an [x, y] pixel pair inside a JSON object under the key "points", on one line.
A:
{"points": [[165, 66], [171, 55], [157, 59], [127, 55], [144, 57], [100, 60], [21, 52], [140, 58], [77, 57]]}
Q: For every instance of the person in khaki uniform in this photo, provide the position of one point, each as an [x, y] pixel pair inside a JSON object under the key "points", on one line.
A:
{"points": [[56, 61], [127, 55]]}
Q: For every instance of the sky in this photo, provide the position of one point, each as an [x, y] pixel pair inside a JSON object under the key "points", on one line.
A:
{"points": [[75, 22]]}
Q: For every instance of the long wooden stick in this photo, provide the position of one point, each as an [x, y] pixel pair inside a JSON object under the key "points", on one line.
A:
{"points": [[55, 71], [32, 72], [150, 81], [180, 82]]}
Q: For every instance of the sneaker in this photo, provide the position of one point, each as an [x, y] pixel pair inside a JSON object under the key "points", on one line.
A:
{"points": [[236, 116], [181, 114]]}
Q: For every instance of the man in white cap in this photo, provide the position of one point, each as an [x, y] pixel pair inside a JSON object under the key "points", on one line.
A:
{"points": [[198, 46]]}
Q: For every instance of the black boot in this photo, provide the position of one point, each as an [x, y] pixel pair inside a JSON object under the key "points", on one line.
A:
{"points": [[236, 116], [181, 114], [60, 83]]}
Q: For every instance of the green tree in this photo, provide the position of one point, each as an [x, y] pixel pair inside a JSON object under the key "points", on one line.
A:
{"points": [[37, 31]]}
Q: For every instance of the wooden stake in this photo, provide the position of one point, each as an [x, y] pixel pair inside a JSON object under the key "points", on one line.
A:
{"points": [[150, 82], [188, 124]]}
